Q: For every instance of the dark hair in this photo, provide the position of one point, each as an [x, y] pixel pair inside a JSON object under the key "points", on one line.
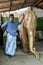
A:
{"points": [[11, 15]]}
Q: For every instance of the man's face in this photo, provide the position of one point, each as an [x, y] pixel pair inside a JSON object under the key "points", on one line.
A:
{"points": [[11, 18]]}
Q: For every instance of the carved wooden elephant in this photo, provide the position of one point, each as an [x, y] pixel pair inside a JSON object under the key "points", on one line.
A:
{"points": [[27, 32]]}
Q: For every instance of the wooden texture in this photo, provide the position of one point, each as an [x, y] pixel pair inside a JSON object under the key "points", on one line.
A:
{"points": [[11, 5]]}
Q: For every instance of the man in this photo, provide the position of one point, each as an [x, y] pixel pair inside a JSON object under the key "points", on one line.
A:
{"points": [[11, 28]]}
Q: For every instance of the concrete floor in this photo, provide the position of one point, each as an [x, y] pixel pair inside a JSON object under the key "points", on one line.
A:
{"points": [[22, 58]]}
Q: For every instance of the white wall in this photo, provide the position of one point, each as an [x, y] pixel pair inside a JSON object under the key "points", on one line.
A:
{"points": [[39, 12]]}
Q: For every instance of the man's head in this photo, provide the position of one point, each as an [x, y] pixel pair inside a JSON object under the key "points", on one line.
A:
{"points": [[11, 16]]}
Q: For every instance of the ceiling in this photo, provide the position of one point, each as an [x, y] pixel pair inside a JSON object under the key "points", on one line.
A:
{"points": [[11, 5]]}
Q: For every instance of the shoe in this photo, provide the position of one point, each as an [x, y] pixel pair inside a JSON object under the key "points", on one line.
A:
{"points": [[8, 55]]}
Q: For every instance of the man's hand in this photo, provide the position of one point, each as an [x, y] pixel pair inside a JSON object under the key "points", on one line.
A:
{"points": [[22, 17]]}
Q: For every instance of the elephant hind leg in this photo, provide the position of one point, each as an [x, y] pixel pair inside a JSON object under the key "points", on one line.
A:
{"points": [[31, 43]]}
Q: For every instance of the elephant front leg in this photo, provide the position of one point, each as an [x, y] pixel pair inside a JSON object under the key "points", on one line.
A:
{"points": [[24, 41], [31, 43], [25, 44]]}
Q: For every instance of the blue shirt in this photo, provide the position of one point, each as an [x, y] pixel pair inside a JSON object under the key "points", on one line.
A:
{"points": [[11, 27]]}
